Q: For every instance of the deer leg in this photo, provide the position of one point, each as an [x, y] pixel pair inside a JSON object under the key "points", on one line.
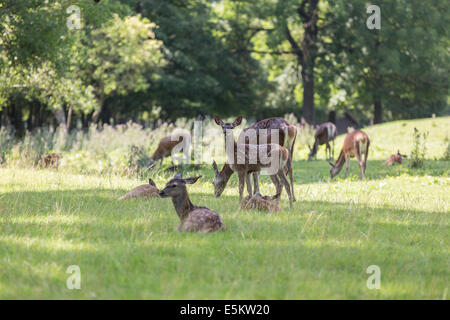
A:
{"points": [[291, 178], [242, 178], [285, 182], [249, 185], [256, 181], [276, 182], [361, 165], [347, 163], [327, 151]]}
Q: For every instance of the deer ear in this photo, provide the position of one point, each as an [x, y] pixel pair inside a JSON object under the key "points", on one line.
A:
{"points": [[151, 182], [191, 180], [218, 121], [310, 149], [178, 176], [237, 121], [331, 164], [214, 165]]}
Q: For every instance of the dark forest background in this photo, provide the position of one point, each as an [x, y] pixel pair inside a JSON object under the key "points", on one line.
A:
{"points": [[151, 60]]}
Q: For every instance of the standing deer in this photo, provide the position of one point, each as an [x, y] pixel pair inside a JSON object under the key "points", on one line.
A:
{"points": [[395, 158], [193, 218], [325, 133], [285, 131], [143, 191], [252, 158], [356, 143], [166, 146]]}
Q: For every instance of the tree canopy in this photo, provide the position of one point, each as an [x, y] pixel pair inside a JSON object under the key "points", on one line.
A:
{"points": [[164, 59]]}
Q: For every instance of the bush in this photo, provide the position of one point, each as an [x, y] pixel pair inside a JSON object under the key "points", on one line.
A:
{"points": [[417, 158]]}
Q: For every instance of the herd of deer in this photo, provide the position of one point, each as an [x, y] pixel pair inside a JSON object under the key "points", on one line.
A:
{"points": [[201, 219]]}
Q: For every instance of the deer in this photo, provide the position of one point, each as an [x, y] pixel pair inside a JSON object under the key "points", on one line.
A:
{"points": [[167, 144], [246, 159], [143, 191], [395, 158], [287, 134], [50, 160], [356, 143], [261, 203], [325, 133], [193, 218]]}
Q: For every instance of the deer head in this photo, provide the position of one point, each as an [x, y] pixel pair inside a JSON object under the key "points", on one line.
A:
{"points": [[177, 186], [228, 125], [220, 181], [334, 170]]}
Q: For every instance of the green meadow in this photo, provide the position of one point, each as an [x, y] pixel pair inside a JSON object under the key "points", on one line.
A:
{"points": [[397, 219]]}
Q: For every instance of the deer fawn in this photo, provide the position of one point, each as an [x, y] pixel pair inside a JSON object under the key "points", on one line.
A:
{"points": [[356, 143], [166, 146], [395, 158], [262, 203], [193, 218], [286, 132], [51, 160], [143, 191], [325, 133]]}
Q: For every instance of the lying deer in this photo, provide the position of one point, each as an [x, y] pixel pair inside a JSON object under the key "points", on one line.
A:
{"points": [[395, 158], [325, 133], [250, 158], [143, 191], [51, 160], [167, 144], [356, 143], [262, 203], [285, 131], [193, 218]]}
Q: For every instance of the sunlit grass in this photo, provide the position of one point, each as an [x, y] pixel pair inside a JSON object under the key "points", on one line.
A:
{"points": [[396, 219]]}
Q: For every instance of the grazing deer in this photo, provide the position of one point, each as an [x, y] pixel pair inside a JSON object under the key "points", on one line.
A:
{"points": [[166, 146], [356, 143], [395, 158], [51, 160], [325, 133], [193, 218], [286, 132], [251, 158], [262, 203], [143, 191]]}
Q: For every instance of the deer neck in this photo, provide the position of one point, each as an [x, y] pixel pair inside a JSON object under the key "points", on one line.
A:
{"points": [[340, 160], [183, 205]]}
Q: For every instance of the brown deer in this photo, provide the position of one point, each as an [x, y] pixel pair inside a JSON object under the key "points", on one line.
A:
{"points": [[246, 159], [325, 133], [286, 132], [356, 143], [166, 146], [395, 158], [193, 218], [261, 203], [143, 191], [50, 160]]}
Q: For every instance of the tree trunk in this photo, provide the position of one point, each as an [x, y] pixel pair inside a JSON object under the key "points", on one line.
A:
{"points": [[308, 111], [377, 111], [16, 118], [69, 118]]}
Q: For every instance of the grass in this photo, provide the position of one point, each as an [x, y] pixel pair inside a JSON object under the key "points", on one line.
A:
{"points": [[396, 219]]}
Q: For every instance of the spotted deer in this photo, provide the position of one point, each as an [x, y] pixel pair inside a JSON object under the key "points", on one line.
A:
{"points": [[325, 133], [50, 160], [261, 203], [395, 158], [192, 217], [246, 159], [143, 191], [356, 143], [285, 132]]}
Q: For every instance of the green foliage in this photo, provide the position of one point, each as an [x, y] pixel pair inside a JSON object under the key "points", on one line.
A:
{"points": [[419, 150]]}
